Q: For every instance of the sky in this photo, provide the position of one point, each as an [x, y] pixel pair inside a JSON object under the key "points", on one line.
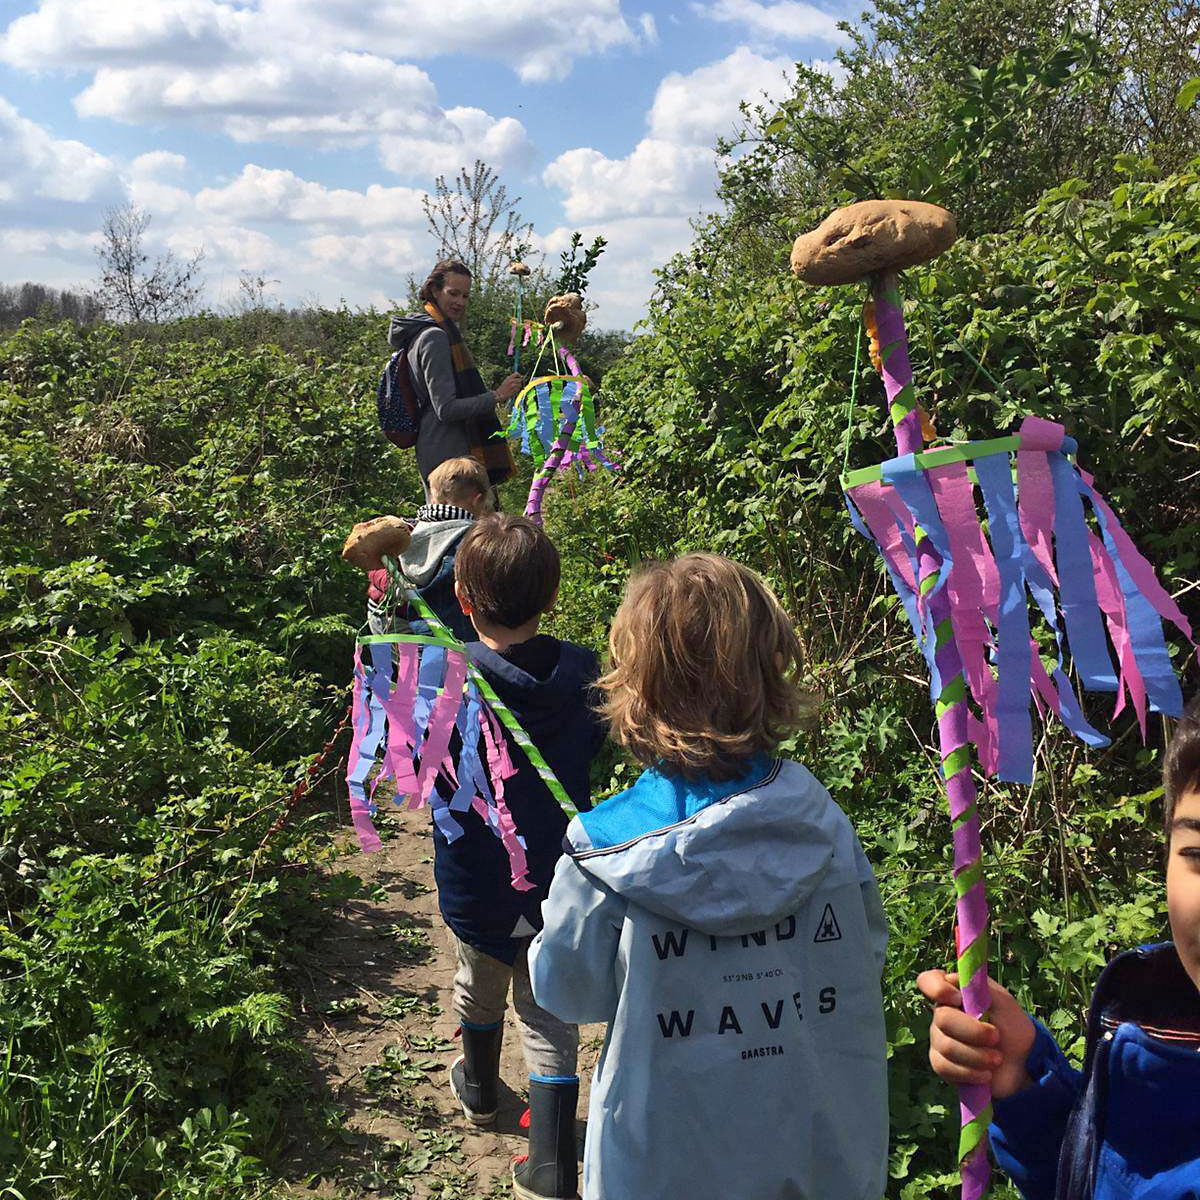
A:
{"points": [[295, 139]]}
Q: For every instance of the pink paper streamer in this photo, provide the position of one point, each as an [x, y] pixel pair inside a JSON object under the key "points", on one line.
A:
{"points": [[502, 769], [435, 753], [512, 339], [1035, 506], [869, 498], [1112, 604], [1140, 571], [401, 744], [974, 588]]}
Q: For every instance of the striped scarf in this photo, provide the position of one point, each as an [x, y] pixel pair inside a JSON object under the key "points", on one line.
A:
{"points": [[492, 452]]}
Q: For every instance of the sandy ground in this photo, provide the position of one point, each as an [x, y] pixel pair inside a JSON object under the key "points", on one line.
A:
{"points": [[375, 994]]}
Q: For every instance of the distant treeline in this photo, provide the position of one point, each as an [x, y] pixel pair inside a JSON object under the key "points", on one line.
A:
{"points": [[20, 301]]}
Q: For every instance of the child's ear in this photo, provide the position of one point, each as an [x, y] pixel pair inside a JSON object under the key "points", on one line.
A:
{"points": [[461, 596]]}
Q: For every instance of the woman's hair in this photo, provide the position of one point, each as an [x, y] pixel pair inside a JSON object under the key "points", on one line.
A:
{"points": [[508, 569], [702, 668], [462, 481], [436, 279], [1181, 764]]}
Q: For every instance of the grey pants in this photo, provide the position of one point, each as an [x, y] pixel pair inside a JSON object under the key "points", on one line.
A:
{"points": [[481, 997]]}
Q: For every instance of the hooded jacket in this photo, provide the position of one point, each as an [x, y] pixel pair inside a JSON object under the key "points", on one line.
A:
{"points": [[547, 685], [441, 433], [1126, 1127], [427, 563], [732, 936]]}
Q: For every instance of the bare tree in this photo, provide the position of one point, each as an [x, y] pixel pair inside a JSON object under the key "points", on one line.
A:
{"points": [[475, 221], [131, 286], [254, 293]]}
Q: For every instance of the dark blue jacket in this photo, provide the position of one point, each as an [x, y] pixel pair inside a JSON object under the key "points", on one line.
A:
{"points": [[1126, 1127], [548, 686]]}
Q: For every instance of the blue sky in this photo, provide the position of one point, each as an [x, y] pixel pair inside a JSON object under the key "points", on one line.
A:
{"points": [[295, 138]]}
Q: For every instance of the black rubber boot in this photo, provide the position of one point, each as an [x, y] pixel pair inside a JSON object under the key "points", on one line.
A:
{"points": [[475, 1074], [551, 1169]]}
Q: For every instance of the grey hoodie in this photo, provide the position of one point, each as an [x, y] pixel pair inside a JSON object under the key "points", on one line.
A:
{"points": [[441, 434], [732, 937]]}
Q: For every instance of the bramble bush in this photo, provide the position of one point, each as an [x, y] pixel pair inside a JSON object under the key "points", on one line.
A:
{"points": [[735, 411], [173, 631]]}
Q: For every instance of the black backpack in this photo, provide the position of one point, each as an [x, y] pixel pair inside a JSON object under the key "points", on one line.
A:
{"points": [[399, 408]]}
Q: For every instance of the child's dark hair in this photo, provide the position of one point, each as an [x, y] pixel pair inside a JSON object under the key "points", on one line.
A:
{"points": [[1181, 766], [436, 279], [508, 569]]}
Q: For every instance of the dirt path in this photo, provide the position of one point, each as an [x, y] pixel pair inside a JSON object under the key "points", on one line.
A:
{"points": [[375, 993]]}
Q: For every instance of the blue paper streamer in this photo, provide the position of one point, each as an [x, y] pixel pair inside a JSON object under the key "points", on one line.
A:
{"points": [[1144, 625], [1013, 725], [376, 682], [545, 418], [1077, 585], [907, 596]]}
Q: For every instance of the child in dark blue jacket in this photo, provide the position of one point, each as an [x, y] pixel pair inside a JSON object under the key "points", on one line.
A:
{"points": [[1126, 1127], [506, 576]]}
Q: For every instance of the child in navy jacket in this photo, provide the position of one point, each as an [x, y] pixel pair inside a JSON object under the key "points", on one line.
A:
{"points": [[1128, 1125]]}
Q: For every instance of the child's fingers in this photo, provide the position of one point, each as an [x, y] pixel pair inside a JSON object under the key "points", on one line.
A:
{"points": [[940, 988], [954, 1025], [952, 1072]]}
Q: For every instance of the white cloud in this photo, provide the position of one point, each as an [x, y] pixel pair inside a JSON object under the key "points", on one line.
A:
{"points": [[672, 171], [539, 39], [463, 136], [783, 21], [86, 33], [320, 242], [43, 241], [658, 178], [36, 167], [700, 107], [295, 71], [261, 195]]}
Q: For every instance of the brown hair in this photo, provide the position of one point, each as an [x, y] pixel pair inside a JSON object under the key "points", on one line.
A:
{"points": [[1181, 764], [702, 667], [462, 481], [436, 279], [508, 569]]}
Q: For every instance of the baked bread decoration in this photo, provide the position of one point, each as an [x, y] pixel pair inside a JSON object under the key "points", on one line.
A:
{"points": [[872, 236], [370, 540]]}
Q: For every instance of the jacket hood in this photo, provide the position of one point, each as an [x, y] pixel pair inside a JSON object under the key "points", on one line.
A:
{"points": [[428, 546], [544, 704], [723, 858], [404, 330]]}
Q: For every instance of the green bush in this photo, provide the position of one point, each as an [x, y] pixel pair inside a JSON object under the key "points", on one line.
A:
{"points": [[733, 413], [174, 627]]}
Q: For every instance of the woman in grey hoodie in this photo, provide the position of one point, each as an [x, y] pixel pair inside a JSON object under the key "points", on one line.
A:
{"points": [[721, 917], [458, 415]]}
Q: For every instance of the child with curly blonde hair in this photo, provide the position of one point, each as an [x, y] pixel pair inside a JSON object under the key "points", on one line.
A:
{"points": [[721, 917]]}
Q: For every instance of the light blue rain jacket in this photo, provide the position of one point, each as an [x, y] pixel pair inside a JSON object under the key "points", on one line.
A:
{"points": [[732, 937]]}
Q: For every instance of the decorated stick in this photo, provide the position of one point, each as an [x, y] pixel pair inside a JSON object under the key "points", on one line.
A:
{"points": [[507, 719], [571, 410], [874, 240], [518, 270], [950, 707]]}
